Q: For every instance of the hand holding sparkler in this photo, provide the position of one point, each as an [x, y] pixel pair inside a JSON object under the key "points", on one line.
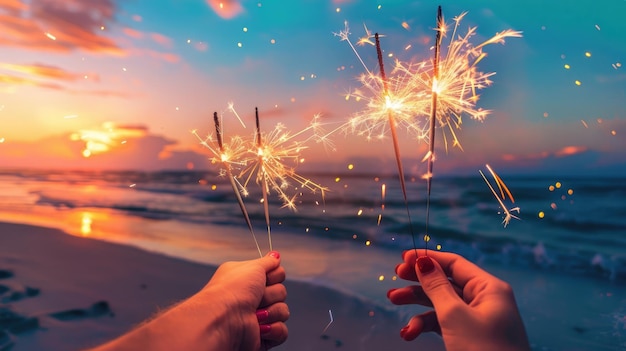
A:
{"points": [[473, 310]]}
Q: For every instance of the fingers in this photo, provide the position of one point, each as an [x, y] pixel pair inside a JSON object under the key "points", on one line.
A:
{"points": [[270, 261], [458, 268], [436, 285], [422, 323], [271, 324], [413, 294], [273, 294], [278, 312], [275, 276], [273, 334]]}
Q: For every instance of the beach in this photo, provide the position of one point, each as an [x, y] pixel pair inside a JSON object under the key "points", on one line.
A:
{"points": [[89, 291], [87, 256]]}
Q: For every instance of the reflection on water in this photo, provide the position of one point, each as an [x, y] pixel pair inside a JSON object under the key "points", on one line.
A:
{"points": [[85, 227]]}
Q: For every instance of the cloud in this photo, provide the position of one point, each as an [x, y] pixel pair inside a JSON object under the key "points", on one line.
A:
{"points": [[161, 40], [226, 9], [47, 71], [58, 26], [126, 147]]}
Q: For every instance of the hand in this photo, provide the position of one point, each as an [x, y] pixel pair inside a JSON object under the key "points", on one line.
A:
{"points": [[241, 308], [473, 310], [254, 297]]}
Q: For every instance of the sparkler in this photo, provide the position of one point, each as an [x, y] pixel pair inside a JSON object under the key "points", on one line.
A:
{"points": [[455, 78], [433, 120], [426, 95], [504, 192], [454, 82], [263, 176], [268, 165], [228, 155]]}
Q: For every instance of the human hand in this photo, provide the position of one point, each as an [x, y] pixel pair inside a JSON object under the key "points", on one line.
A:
{"points": [[473, 310], [254, 295], [241, 308]]}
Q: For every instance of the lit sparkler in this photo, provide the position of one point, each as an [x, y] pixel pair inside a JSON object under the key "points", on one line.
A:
{"points": [[504, 192], [454, 79], [229, 155], [426, 95], [269, 165]]}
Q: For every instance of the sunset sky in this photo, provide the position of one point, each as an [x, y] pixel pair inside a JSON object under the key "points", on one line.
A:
{"points": [[106, 84]]}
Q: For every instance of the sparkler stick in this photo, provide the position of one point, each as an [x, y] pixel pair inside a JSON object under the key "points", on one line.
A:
{"points": [[263, 172], [433, 120], [394, 135], [232, 181]]}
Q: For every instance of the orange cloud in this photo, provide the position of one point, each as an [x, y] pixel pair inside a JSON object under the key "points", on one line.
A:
{"points": [[226, 9], [43, 70], [57, 26], [133, 33], [570, 150], [161, 39], [12, 81], [128, 148]]}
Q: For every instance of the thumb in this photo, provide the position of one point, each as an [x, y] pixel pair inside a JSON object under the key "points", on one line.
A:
{"points": [[436, 284], [270, 261]]}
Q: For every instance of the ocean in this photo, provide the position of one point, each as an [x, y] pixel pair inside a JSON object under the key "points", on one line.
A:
{"points": [[565, 256]]}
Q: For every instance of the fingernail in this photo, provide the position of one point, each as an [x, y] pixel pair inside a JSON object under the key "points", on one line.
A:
{"points": [[274, 254], [425, 264], [265, 328], [403, 330], [262, 315], [390, 291]]}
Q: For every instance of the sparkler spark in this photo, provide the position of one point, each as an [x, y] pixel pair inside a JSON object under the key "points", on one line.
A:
{"points": [[504, 192], [229, 155], [426, 95], [330, 313], [271, 156]]}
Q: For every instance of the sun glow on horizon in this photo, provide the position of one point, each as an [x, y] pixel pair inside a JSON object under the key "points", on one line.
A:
{"points": [[109, 137]]}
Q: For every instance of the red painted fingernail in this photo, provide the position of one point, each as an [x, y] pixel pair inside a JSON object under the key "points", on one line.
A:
{"points": [[262, 315], [425, 264], [265, 328], [390, 291], [403, 330], [274, 254]]}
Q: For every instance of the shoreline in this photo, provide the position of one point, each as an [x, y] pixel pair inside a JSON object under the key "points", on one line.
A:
{"points": [[89, 291], [560, 311]]}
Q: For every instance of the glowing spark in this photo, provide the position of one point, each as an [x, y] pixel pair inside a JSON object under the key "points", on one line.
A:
{"points": [[458, 79], [269, 156], [330, 313], [344, 36], [383, 189], [229, 156], [231, 108], [367, 39], [504, 191], [50, 36], [411, 85]]}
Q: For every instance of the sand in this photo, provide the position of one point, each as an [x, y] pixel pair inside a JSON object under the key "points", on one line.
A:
{"points": [[61, 292]]}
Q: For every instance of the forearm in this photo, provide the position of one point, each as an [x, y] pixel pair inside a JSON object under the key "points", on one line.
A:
{"points": [[188, 325]]}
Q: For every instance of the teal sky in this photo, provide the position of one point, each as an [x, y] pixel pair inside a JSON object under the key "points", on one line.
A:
{"points": [[162, 67]]}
